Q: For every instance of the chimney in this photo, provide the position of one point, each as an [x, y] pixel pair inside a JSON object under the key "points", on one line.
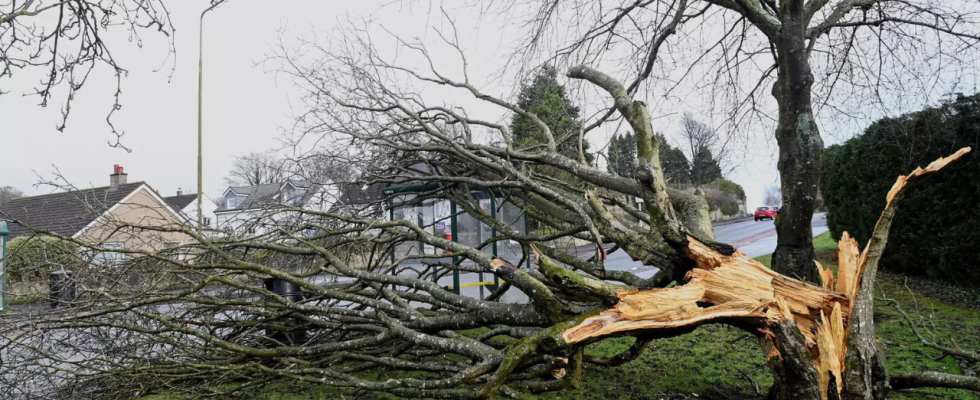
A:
{"points": [[118, 177], [180, 192]]}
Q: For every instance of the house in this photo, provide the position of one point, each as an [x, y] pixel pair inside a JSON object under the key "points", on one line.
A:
{"points": [[110, 217], [186, 206], [256, 208], [366, 200]]}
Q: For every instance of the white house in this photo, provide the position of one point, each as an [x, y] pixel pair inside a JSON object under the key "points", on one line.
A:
{"points": [[254, 209], [186, 206]]}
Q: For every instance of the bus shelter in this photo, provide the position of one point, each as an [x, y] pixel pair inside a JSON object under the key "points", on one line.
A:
{"points": [[443, 218]]}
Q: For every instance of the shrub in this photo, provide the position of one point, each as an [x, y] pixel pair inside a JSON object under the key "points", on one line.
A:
{"points": [[725, 195], [728, 187], [935, 231], [729, 208], [36, 256]]}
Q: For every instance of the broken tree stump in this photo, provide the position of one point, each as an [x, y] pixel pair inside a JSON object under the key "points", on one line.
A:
{"points": [[740, 291]]}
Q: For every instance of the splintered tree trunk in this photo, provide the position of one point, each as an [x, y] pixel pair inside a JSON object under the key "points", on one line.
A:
{"points": [[819, 340], [800, 147]]}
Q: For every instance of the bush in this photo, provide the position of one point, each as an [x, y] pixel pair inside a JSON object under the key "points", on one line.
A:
{"points": [[32, 257], [729, 208], [728, 187], [935, 231], [725, 195]]}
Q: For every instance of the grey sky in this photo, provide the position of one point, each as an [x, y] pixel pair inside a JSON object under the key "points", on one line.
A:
{"points": [[246, 107]]}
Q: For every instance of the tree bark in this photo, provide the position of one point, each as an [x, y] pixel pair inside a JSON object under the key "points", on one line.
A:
{"points": [[693, 212], [800, 147], [791, 363], [936, 379]]}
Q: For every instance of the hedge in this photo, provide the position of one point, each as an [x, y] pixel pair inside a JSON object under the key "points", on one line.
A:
{"points": [[31, 257], [936, 232]]}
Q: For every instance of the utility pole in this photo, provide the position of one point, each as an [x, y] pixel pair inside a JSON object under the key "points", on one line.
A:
{"points": [[200, 114]]}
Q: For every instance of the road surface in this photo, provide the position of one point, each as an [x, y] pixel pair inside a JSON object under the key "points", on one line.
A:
{"points": [[759, 238]]}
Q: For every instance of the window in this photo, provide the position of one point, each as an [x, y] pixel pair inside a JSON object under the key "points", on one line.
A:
{"points": [[232, 202], [206, 221], [109, 257]]}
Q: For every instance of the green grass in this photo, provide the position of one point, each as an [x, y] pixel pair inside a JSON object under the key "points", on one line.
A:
{"points": [[719, 362], [26, 299]]}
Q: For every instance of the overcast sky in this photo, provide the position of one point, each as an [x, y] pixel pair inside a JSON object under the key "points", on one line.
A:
{"points": [[247, 108]]}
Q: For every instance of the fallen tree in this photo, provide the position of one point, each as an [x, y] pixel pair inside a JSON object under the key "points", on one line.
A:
{"points": [[224, 330], [217, 328]]}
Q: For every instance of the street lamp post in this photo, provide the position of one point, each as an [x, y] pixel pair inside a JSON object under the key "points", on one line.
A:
{"points": [[3, 265], [200, 113]]}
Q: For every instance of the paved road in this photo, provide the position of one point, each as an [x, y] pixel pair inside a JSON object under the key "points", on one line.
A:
{"points": [[759, 238]]}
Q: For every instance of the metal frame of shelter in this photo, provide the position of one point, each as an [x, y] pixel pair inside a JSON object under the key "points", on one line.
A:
{"points": [[4, 232], [426, 188]]}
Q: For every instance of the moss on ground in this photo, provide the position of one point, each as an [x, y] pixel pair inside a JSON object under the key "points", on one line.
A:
{"points": [[720, 362]]}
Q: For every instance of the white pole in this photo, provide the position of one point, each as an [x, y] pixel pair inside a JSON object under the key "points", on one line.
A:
{"points": [[200, 116]]}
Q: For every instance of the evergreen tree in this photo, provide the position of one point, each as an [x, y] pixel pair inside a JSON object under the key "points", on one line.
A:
{"points": [[622, 155], [622, 158], [614, 156], [674, 162], [704, 167], [547, 99]]}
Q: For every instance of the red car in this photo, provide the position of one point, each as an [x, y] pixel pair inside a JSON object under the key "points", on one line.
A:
{"points": [[766, 212]]}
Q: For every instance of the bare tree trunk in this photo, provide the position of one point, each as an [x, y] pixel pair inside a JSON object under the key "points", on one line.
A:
{"points": [[800, 146]]}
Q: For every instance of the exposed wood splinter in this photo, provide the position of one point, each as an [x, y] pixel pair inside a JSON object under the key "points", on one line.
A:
{"points": [[733, 288]]}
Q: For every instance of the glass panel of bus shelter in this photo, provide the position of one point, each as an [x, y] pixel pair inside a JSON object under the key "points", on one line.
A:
{"points": [[443, 224], [512, 216], [405, 213], [468, 229], [426, 219], [485, 231]]}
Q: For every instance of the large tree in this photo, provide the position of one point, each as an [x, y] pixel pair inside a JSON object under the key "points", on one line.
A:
{"points": [[238, 317], [704, 168], [677, 168], [702, 143], [258, 168], [545, 97], [621, 158]]}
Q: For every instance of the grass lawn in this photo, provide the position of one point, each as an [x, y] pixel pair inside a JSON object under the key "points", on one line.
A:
{"points": [[718, 362]]}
